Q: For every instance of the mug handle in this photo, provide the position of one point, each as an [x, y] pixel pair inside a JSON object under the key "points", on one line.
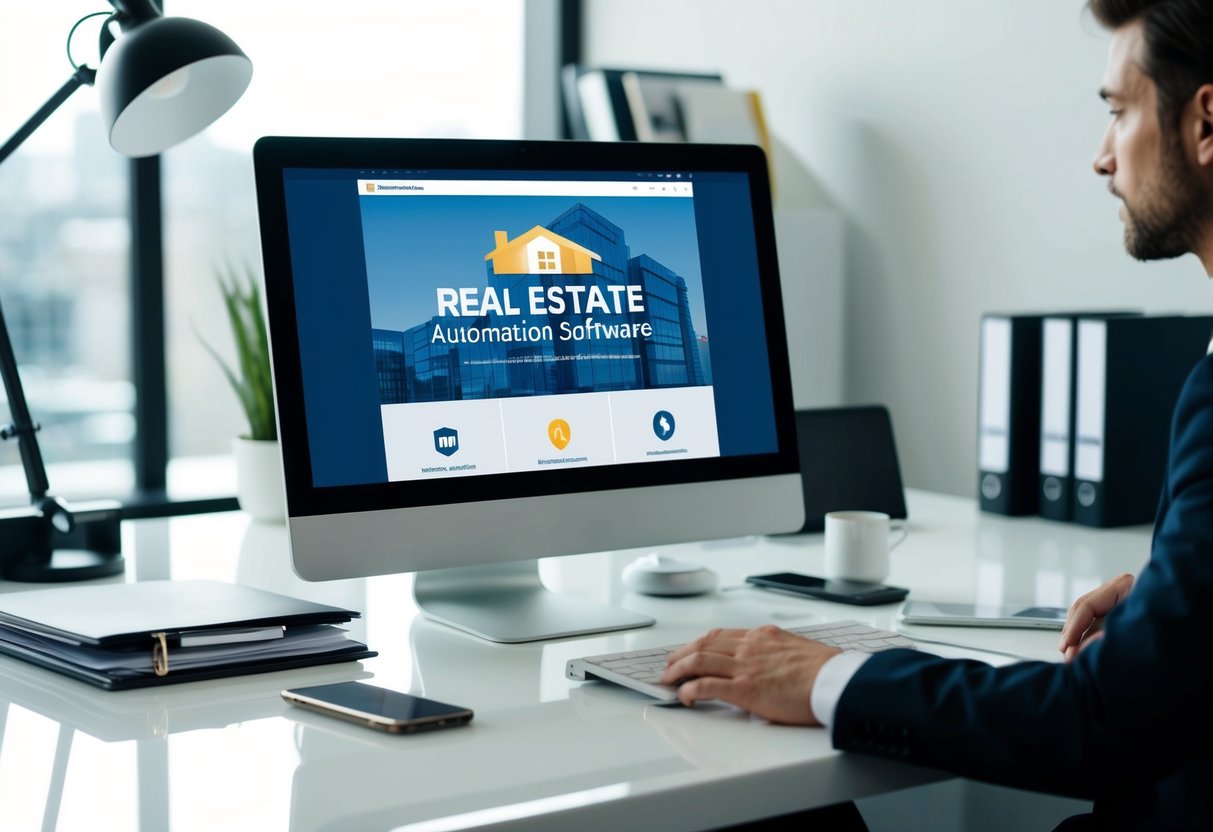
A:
{"points": [[902, 526]]}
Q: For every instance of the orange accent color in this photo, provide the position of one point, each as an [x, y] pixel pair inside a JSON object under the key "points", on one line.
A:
{"points": [[512, 256], [559, 433]]}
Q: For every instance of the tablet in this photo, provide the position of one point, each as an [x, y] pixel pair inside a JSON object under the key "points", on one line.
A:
{"points": [[983, 615]]}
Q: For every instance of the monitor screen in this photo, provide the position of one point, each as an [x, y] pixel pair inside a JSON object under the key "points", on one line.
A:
{"points": [[461, 324]]}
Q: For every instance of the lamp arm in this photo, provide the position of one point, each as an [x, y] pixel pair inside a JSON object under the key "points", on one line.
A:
{"points": [[83, 76], [23, 427]]}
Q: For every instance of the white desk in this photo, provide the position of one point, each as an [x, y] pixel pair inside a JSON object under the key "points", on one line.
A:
{"points": [[231, 755]]}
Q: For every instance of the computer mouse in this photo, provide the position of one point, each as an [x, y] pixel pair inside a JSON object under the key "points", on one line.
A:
{"points": [[656, 574]]}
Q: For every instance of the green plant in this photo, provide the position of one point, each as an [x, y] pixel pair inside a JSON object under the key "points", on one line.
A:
{"points": [[250, 377]]}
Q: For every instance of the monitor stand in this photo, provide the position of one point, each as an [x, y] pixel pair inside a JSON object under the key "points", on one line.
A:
{"points": [[507, 602]]}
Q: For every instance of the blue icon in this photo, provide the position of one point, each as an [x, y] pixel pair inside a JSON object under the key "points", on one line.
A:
{"points": [[446, 441], [663, 424]]}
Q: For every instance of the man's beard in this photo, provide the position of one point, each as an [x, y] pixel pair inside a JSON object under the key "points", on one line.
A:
{"points": [[1171, 213]]}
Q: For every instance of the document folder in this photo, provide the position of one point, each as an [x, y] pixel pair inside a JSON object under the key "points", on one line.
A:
{"points": [[1008, 454], [1058, 393], [118, 636], [1130, 372]]}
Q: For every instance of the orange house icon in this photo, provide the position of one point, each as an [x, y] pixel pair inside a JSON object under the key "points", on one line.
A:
{"points": [[539, 251]]}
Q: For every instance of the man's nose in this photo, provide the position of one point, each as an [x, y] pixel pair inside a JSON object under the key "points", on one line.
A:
{"points": [[1105, 160]]}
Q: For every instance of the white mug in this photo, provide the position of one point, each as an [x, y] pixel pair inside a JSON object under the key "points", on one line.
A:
{"points": [[857, 545]]}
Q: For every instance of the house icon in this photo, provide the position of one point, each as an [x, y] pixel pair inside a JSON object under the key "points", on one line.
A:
{"points": [[539, 251]]}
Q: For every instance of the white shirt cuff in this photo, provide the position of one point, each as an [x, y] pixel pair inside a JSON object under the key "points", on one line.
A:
{"points": [[832, 679]]}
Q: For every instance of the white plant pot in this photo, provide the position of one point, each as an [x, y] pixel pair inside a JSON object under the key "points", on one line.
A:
{"points": [[259, 483]]}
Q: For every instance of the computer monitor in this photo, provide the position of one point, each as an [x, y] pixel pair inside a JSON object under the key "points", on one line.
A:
{"points": [[489, 352]]}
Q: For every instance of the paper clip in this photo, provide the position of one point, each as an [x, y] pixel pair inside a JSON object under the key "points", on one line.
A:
{"points": [[160, 654]]}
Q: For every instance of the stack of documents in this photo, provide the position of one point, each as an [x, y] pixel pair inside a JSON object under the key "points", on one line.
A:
{"points": [[133, 635]]}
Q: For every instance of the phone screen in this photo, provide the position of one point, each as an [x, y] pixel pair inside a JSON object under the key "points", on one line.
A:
{"points": [[834, 587], [847, 592], [975, 613], [396, 707]]}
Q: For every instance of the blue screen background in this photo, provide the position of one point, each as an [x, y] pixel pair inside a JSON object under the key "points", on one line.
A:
{"points": [[334, 317]]}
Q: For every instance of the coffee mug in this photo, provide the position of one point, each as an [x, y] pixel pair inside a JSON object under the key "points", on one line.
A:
{"points": [[857, 545]]}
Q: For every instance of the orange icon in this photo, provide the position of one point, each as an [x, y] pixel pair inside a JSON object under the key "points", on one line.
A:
{"points": [[560, 433], [539, 251]]}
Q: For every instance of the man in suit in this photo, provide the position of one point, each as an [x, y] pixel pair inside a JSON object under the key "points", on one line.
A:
{"points": [[1125, 719]]}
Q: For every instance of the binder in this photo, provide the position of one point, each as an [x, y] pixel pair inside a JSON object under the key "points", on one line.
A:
{"points": [[1058, 380], [597, 103], [1130, 372], [1008, 456], [119, 636]]}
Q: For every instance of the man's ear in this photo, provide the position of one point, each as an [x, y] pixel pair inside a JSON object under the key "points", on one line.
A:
{"points": [[1203, 101]]}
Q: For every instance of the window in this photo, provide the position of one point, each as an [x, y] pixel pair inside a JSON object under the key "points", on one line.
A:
{"points": [[373, 68], [63, 263], [385, 68]]}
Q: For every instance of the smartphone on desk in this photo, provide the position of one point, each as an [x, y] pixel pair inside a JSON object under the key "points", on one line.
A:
{"points": [[984, 615], [842, 592], [379, 708]]}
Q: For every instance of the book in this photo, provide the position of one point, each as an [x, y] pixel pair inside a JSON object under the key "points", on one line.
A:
{"points": [[599, 107], [129, 635]]}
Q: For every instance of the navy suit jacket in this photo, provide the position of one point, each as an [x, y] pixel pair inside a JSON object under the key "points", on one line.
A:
{"points": [[1128, 724]]}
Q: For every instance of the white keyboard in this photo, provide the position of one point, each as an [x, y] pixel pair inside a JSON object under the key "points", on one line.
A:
{"points": [[641, 670]]}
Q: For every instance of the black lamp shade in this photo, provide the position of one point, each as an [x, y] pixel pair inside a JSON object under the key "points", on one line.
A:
{"points": [[167, 79]]}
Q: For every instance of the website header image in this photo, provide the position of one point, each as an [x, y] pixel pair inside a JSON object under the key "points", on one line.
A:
{"points": [[479, 296]]}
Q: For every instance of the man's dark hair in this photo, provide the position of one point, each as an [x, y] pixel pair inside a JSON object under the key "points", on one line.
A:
{"points": [[1179, 45]]}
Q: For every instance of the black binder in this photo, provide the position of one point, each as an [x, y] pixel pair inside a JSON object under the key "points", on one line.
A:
{"points": [[1008, 428], [1058, 385], [1130, 372], [131, 635], [609, 103]]}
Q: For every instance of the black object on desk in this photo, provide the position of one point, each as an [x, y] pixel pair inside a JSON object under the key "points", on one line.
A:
{"points": [[848, 461], [119, 636], [836, 590], [1129, 375]]}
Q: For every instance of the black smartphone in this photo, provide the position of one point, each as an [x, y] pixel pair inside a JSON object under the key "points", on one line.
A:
{"points": [[844, 592], [376, 707]]}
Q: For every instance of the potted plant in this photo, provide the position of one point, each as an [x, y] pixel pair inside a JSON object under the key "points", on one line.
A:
{"points": [[259, 481]]}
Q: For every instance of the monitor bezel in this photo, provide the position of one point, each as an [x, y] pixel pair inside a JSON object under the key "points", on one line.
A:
{"points": [[274, 155]]}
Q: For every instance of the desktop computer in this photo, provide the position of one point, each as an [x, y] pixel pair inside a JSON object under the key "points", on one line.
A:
{"points": [[488, 352]]}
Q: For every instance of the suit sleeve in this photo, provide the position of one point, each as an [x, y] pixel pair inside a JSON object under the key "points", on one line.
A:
{"points": [[1132, 707]]}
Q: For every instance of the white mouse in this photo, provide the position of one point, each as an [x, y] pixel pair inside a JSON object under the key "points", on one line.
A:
{"points": [[655, 574]]}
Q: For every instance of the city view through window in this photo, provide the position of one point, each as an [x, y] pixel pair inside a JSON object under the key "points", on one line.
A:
{"points": [[452, 70]]}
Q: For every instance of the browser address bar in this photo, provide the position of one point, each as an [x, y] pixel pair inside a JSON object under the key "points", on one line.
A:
{"points": [[499, 187]]}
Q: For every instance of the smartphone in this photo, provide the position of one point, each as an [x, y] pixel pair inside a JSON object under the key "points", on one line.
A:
{"points": [[376, 707], [844, 592], [983, 615]]}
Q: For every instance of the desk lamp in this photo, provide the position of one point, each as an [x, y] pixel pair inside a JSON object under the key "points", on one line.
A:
{"points": [[163, 80]]}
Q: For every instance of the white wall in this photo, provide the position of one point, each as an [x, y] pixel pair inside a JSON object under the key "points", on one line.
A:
{"points": [[956, 137]]}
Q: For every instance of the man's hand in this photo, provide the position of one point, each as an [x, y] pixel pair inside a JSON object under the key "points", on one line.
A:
{"points": [[767, 671], [1084, 621]]}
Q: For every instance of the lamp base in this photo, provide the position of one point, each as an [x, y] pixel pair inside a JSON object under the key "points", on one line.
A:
{"points": [[65, 565], [32, 550]]}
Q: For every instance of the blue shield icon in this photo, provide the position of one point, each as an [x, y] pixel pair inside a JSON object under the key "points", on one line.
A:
{"points": [[446, 441], [663, 425]]}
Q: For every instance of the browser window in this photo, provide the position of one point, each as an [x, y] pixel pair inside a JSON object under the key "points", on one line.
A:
{"points": [[536, 324]]}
